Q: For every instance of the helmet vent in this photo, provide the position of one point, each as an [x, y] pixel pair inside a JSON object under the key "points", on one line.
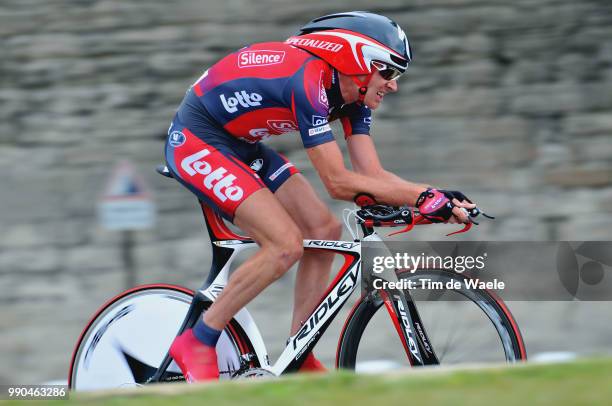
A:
{"points": [[399, 61], [332, 17]]}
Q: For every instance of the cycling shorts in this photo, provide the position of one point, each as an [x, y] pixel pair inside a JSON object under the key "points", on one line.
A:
{"points": [[222, 171]]}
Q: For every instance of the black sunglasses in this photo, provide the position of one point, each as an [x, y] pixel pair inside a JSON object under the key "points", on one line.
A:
{"points": [[386, 71]]}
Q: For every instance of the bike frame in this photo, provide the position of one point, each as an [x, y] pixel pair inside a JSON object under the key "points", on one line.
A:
{"points": [[346, 281], [227, 245]]}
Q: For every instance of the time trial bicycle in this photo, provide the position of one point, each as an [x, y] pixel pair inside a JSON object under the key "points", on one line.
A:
{"points": [[126, 342]]}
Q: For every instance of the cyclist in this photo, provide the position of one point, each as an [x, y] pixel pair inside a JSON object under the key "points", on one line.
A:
{"points": [[338, 66]]}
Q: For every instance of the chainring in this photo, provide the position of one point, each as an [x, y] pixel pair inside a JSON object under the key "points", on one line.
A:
{"points": [[253, 373]]}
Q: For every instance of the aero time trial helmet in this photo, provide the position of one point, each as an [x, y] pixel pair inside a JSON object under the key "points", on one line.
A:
{"points": [[353, 42]]}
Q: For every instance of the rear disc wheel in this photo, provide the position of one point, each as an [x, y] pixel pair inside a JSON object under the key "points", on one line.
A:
{"points": [[127, 339]]}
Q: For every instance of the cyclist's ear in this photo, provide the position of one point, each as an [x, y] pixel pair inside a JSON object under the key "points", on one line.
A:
{"points": [[363, 199]]}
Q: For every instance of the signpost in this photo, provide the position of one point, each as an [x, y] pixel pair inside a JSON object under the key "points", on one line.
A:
{"points": [[126, 206]]}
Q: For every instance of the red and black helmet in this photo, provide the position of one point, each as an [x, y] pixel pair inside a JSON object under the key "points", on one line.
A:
{"points": [[353, 42]]}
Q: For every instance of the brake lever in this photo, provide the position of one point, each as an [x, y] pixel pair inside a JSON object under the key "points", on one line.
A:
{"points": [[465, 229], [403, 230], [475, 212], [472, 213]]}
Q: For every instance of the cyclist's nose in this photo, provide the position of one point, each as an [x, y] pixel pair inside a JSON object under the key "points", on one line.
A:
{"points": [[392, 85]]}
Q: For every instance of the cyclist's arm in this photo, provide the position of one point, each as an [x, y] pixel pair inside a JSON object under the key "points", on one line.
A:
{"points": [[343, 184], [365, 160]]}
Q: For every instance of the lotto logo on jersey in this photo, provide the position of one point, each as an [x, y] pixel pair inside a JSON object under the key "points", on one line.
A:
{"points": [[249, 59], [218, 180], [282, 126], [241, 98]]}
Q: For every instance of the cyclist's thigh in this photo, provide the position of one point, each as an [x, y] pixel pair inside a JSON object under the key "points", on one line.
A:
{"points": [[212, 165], [264, 211], [206, 162], [273, 168], [263, 218], [292, 189]]}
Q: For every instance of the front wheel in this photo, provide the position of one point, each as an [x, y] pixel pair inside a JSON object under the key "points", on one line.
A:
{"points": [[463, 325], [127, 339]]}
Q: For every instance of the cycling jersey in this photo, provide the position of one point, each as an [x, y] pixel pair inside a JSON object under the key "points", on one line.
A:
{"points": [[259, 91], [271, 89]]}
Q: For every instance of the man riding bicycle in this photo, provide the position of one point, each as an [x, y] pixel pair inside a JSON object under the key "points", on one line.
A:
{"points": [[338, 66]]}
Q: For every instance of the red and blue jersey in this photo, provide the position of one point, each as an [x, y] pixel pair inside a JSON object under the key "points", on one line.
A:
{"points": [[258, 91], [273, 88]]}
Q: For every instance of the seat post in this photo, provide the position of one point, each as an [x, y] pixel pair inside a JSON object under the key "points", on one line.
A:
{"points": [[218, 231]]}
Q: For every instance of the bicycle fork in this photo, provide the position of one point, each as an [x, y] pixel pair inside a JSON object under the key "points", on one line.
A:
{"points": [[408, 324], [401, 309]]}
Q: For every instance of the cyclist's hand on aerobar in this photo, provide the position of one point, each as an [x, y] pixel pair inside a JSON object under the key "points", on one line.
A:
{"points": [[445, 206]]}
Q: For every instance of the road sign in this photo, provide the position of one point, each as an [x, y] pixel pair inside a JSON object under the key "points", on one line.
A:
{"points": [[126, 203]]}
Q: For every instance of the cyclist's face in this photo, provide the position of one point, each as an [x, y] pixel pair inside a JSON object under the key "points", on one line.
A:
{"points": [[377, 89]]}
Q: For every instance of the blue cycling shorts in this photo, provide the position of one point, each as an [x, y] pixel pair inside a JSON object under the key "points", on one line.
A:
{"points": [[221, 170]]}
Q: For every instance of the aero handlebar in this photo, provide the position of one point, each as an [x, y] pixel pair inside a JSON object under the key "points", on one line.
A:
{"points": [[380, 215]]}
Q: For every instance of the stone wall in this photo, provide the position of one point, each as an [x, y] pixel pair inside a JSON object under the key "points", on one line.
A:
{"points": [[510, 102]]}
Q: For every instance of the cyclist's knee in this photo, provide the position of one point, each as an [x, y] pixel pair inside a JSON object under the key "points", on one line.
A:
{"points": [[290, 250], [285, 251]]}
